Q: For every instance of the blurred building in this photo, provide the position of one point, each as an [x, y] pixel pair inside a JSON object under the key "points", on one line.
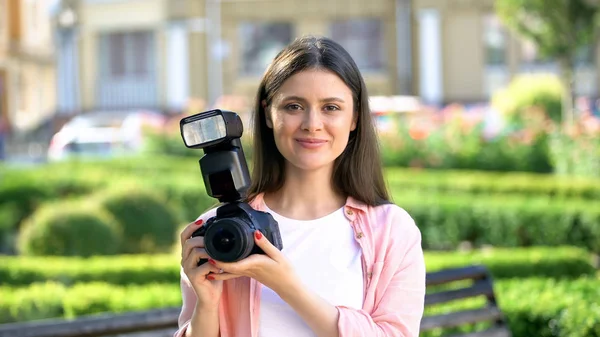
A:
{"points": [[27, 72], [464, 54], [166, 53]]}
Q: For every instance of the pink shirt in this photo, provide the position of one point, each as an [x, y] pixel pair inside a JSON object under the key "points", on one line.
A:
{"points": [[394, 280]]}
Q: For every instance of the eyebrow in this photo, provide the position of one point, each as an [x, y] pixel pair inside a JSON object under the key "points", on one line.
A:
{"points": [[302, 99]]}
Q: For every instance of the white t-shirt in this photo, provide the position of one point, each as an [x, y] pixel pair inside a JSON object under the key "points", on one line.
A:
{"points": [[327, 258]]}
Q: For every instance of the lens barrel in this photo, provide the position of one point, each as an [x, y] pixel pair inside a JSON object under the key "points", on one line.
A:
{"points": [[229, 239]]}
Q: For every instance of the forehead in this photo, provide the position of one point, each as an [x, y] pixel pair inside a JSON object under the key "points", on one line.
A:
{"points": [[315, 82]]}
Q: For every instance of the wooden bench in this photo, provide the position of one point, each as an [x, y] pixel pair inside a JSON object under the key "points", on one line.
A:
{"points": [[481, 286]]}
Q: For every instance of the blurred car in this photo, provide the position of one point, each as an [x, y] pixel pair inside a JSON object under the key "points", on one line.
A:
{"points": [[103, 134]]}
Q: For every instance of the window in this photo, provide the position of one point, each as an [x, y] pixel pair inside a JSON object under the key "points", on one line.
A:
{"points": [[260, 43], [364, 40], [495, 38], [127, 53]]}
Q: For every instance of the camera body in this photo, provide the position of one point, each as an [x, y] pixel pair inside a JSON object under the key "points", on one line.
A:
{"points": [[229, 235]]}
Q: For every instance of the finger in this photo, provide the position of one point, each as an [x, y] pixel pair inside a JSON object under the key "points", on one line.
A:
{"points": [[263, 243], [194, 257], [243, 266], [187, 232], [223, 276], [196, 242]]}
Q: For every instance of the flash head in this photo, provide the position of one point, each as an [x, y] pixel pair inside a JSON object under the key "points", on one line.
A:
{"points": [[210, 128], [223, 166]]}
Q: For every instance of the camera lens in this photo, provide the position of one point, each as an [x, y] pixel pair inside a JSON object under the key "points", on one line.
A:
{"points": [[229, 239], [224, 240]]}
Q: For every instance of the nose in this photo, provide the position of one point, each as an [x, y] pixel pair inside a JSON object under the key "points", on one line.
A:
{"points": [[312, 120]]}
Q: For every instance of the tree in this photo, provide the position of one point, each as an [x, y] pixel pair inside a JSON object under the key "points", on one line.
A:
{"points": [[559, 28]]}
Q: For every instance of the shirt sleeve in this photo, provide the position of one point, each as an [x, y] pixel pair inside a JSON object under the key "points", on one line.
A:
{"points": [[400, 299], [188, 295], [187, 309]]}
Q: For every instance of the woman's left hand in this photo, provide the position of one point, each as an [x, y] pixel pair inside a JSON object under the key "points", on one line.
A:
{"points": [[272, 269]]}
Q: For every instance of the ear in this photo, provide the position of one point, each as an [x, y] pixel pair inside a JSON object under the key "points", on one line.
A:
{"points": [[267, 114], [354, 123]]}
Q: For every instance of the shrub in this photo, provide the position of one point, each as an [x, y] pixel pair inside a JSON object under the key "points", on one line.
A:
{"points": [[54, 300], [533, 306], [118, 270], [479, 182], [538, 307], [147, 222], [560, 262], [543, 91], [446, 220], [69, 229]]}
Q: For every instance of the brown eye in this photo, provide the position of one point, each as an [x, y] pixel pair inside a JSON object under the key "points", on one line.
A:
{"points": [[293, 107], [332, 108]]}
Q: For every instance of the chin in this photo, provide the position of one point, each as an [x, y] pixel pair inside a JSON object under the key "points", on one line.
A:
{"points": [[310, 165]]}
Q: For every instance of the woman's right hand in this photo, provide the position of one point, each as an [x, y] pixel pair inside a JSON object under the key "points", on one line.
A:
{"points": [[208, 292]]}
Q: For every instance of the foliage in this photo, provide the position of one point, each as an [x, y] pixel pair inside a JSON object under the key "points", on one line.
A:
{"points": [[148, 223], [69, 229], [526, 93], [447, 220], [561, 262]]}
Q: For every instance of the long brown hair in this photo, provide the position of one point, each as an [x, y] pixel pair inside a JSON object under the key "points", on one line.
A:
{"points": [[357, 171]]}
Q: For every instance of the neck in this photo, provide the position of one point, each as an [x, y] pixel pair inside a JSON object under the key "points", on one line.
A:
{"points": [[306, 195]]}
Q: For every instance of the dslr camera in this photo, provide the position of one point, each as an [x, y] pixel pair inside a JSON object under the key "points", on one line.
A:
{"points": [[229, 235]]}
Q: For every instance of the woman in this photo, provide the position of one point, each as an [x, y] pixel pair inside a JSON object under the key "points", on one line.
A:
{"points": [[352, 263]]}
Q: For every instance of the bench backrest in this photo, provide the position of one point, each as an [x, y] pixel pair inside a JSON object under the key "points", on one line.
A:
{"points": [[481, 286]]}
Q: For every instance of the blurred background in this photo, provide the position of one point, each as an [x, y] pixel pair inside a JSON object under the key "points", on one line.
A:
{"points": [[488, 113]]}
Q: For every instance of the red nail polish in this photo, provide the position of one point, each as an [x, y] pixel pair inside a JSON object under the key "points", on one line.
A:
{"points": [[211, 261], [199, 222], [210, 277], [258, 235]]}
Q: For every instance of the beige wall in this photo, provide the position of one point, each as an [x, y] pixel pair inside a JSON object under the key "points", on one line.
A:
{"points": [[101, 17], [307, 17], [463, 51], [27, 62]]}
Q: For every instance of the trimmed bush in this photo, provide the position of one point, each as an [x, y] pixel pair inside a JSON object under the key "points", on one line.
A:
{"points": [[533, 307], [119, 270], [538, 307], [479, 182], [54, 300], [505, 221], [147, 221], [563, 262], [69, 229], [542, 91]]}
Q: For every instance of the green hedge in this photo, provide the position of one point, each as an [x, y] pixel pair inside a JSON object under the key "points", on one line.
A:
{"points": [[564, 262], [533, 307], [538, 307], [70, 229], [508, 210], [479, 182], [177, 180], [148, 223], [51, 299], [446, 220]]}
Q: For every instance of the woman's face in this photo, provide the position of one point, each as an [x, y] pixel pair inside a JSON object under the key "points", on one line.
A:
{"points": [[312, 115]]}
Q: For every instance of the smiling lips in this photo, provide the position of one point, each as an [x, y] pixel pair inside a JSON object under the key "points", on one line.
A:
{"points": [[311, 143]]}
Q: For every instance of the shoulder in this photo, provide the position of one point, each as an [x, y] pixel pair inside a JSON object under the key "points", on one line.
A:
{"points": [[392, 219], [393, 229]]}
